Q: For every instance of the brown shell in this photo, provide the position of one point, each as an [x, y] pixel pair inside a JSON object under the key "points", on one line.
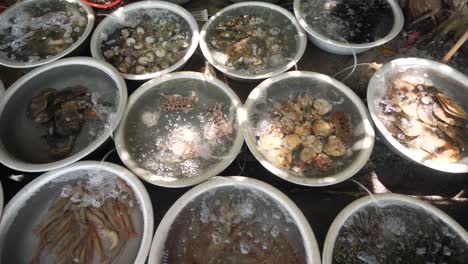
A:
{"points": [[322, 162], [448, 153], [341, 125], [447, 118], [411, 128], [450, 106], [456, 134], [321, 128], [334, 147], [425, 114], [177, 102]]}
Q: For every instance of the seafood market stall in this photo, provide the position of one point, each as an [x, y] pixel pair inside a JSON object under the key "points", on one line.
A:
{"points": [[252, 132]]}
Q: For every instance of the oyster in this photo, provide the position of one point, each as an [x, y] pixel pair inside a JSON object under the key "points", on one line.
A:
{"points": [[425, 120]]}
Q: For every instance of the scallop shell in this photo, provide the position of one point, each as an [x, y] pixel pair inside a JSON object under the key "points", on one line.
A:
{"points": [[425, 114], [334, 147], [451, 106], [446, 117], [411, 128]]}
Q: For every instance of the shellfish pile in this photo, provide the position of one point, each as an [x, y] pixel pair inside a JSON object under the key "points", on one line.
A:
{"points": [[83, 222], [63, 114], [249, 43], [425, 120], [41, 31], [152, 46], [305, 133]]}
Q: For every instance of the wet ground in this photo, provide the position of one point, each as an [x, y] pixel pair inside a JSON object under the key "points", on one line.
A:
{"points": [[385, 172]]}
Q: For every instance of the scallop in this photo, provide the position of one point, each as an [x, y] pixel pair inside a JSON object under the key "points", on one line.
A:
{"points": [[334, 147], [313, 143], [321, 128], [322, 106], [292, 141]]}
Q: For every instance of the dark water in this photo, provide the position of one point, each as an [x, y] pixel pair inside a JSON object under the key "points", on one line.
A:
{"points": [[396, 233], [353, 21]]}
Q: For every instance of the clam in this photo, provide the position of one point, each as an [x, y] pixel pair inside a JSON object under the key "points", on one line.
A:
{"points": [[321, 128], [292, 141], [334, 147], [322, 106]]}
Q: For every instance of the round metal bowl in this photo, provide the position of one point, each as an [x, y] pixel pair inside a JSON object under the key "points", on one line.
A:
{"points": [[253, 202], [1, 200], [21, 145], [451, 82], [21, 6], [292, 84], [273, 15], [145, 128], [378, 200], [126, 16], [29, 206], [342, 48]]}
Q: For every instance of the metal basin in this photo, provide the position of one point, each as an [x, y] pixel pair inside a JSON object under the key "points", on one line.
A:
{"points": [[21, 145], [397, 225], [343, 99], [251, 201], [132, 14], [343, 47], [149, 138], [273, 16], [451, 82], [29, 206], [22, 13]]}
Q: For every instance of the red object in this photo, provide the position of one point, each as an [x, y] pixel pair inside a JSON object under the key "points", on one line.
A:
{"points": [[102, 6], [2, 6], [413, 37]]}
